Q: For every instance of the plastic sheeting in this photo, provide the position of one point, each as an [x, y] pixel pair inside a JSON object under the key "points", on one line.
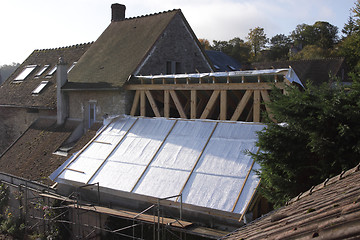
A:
{"points": [[205, 161], [289, 73]]}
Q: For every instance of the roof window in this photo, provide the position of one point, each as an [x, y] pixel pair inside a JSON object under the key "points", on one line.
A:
{"points": [[25, 72], [52, 71], [216, 67], [71, 67], [42, 70], [231, 68], [39, 88]]}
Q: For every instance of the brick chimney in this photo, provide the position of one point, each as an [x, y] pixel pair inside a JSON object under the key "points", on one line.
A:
{"points": [[117, 12]]}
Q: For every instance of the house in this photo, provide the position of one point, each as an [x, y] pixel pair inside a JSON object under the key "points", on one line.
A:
{"points": [[161, 43], [330, 210], [316, 71], [30, 92], [223, 62]]}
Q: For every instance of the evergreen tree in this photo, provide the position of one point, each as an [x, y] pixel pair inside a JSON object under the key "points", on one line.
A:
{"points": [[318, 139]]}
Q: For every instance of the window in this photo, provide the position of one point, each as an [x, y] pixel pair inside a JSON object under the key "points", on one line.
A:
{"points": [[40, 87], [26, 72], [92, 112], [42, 70], [71, 67], [173, 67], [216, 67], [231, 68], [52, 71]]}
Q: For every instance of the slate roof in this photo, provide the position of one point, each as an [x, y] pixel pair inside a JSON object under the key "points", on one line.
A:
{"points": [[120, 49], [19, 93], [315, 70], [330, 210], [222, 62], [31, 156]]}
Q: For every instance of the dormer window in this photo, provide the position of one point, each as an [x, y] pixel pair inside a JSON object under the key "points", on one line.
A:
{"points": [[51, 73], [71, 67], [42, 70], [39, 88], [26, 72]]}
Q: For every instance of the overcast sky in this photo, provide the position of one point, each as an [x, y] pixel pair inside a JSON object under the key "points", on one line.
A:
{"points": [[27, 25]]}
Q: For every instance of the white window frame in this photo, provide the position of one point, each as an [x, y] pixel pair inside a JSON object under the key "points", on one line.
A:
{"points": [[52, 71], [25, 72], [42, 70], [40, 87]]}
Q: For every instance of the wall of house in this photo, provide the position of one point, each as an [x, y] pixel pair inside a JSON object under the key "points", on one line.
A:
{"points": [[106, 102], [177, 45], [15, 121]]}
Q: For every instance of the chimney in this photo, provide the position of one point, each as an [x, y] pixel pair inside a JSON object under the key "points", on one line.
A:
{"points": [[61, 79], [117, 12]]}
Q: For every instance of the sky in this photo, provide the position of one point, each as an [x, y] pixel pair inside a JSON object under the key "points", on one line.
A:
{"points": [[26, 25]]}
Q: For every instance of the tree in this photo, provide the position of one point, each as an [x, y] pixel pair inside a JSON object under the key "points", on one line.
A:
{"points": [[279, 47], [257, 40], [235, 48], [318, 139], [321, 34], [205, 43], [348, 47]]}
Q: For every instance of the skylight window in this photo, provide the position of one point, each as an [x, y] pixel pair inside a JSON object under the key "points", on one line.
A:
{"points": [[231, 68], [216, 67], [42, 70], [71, 67], [40, 87], [52, 71], [26, 72]]}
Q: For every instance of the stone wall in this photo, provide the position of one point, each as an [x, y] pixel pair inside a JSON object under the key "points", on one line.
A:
{"points": [[107, 102], [176, 44]]}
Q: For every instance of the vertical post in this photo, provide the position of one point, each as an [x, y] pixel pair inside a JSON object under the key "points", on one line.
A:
{"points": [[166, 103], [223, 104], [193, 104], [142, 103], [181, 206], [256, 107]]}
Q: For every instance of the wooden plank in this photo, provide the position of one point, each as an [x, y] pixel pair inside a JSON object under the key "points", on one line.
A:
{"points": [[193, 104], [133, 215], [266, 98], [142, 103], [256, 109], [223, 104], [206, 86], [135, 103], [241, 106], [177, 104], [152, 103], [166, 103], [210, 104]]}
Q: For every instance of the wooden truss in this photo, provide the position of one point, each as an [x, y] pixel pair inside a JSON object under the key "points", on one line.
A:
{"points": [[242, 101]]}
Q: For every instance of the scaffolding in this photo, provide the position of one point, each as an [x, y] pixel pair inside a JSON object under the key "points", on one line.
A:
{"points": [[38, 201]]}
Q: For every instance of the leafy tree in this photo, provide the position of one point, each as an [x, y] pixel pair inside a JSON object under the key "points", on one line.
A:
{"points": [[349, 47], [322, 34], [319, 138], [279, 47], [257, 40], [236, 48], [205, 43], [6, 70], [311, 52]]}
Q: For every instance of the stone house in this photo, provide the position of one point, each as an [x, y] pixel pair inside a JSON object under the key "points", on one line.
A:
{"points": [[161, 43], [30, 92]]}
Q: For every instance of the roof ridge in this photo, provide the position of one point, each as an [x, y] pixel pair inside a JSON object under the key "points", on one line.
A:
{"points": [[152, 14], [327, 182], [69, 46]]}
